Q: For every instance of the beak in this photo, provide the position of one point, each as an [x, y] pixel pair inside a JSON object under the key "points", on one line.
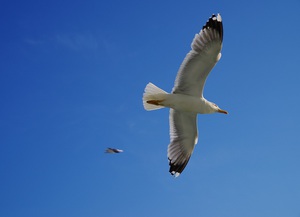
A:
{"points": [[222, 111]]}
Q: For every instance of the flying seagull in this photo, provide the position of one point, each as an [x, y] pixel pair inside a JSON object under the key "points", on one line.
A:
{"points": [[186, 99], [113, 150]]}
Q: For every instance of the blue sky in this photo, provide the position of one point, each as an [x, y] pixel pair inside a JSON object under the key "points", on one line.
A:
{"points": [[72, 75]]}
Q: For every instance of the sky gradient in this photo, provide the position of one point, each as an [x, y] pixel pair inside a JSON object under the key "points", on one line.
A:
{"points": [[72, 75]]}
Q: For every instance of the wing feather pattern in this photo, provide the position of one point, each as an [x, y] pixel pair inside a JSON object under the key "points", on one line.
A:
{"points": [[184, 136], [198, 63]]}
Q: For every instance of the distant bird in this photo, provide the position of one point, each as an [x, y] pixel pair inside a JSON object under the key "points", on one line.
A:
{"points": [[186, 99], [113, 150]]}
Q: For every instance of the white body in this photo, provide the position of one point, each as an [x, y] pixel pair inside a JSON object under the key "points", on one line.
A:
{"points": [[179, 102], [186, 103]]}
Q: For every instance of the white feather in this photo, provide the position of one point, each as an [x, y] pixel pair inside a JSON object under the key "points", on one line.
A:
{"points": [[153, 92]]}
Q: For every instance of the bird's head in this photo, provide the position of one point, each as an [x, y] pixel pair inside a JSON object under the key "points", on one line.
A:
{"points": [[216, 108]]}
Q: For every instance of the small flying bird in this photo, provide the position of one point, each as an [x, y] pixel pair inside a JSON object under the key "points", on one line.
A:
{"points": [[113, 150], [186, 99]]}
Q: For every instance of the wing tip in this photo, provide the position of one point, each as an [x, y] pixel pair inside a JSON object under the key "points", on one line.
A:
{"points": [[215, 22], [217, 17], [177, 168], [175, 174]]}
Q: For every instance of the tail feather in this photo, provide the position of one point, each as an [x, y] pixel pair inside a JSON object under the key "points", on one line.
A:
{"points": [[153, 95]]}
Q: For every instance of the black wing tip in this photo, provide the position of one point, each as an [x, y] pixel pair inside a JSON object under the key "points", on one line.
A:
{"points": [[176, 169], [215, 22]]}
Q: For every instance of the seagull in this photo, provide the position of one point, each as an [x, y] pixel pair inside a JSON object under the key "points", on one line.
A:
{"points": [[113, 150], [186, 99]]}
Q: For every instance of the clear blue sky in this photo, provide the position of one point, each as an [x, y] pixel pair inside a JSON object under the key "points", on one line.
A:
{"points": [[72, 75]]}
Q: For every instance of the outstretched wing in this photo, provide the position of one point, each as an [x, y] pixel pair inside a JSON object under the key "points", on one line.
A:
{"points": [[184, 136], [197, 64]]}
